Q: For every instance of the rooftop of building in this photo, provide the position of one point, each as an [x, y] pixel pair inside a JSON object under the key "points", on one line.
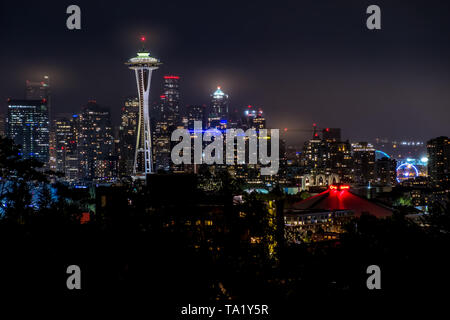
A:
{"points": [[340, 197]]}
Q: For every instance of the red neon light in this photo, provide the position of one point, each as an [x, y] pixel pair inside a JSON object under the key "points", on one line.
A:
{"points": [[327, 129], [142, 38], [162, 96], [171, 77], [339, 187]]}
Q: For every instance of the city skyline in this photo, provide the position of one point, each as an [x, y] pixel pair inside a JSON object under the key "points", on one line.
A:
{"points": [[225, 158], [393, 84]]}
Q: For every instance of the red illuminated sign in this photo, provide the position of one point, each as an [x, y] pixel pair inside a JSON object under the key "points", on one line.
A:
{"points": [[339, 187]]}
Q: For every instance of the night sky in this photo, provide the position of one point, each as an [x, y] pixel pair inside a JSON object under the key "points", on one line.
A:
{"points": [[301, 61]]}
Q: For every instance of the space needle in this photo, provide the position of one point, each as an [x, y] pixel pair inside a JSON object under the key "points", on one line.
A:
{"points": [[143, 65]]}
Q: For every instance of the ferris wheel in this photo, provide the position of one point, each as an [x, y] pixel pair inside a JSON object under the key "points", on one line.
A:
{"points": [[406, 171]]}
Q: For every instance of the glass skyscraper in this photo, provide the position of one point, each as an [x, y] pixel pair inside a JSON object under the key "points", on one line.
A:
{"points": [[28, 126]]}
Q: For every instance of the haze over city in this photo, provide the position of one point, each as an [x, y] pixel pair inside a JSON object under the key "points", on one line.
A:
{"points": [[329, 68]]}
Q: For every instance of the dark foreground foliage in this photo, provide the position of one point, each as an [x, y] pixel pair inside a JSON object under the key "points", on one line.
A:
{"points": [[138, 248]]}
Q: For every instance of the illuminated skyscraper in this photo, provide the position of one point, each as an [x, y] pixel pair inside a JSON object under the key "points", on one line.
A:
{"points": [[143, 65], [385, 171], [328, 156], [64, 142], [363, 162], [439, 162], [218, 114], [127, 135], [28, 126], [94, 141], [196, 113], [166, 119], [171, 100], [254, 118], [313, 156], [339, 159], [162, 145]]}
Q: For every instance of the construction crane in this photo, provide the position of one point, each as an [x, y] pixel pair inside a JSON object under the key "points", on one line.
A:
{"points": [[314, 130]]}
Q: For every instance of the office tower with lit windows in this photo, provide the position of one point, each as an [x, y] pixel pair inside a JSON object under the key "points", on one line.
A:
{"points": [[254, 118], [161, 145], [196, 113], [260, 121], [218, 113], [162, 123], [363, 162], [63, 146], [129, 118], [72, 171], [385, 171], [171, 101], [193, 113], [249, 118], [313, 158], [328, 156], [166, 119], [439, 162], [143, 65], [340, 160], [337, 154], [28, 126], [65, 143], [95, 142]]}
